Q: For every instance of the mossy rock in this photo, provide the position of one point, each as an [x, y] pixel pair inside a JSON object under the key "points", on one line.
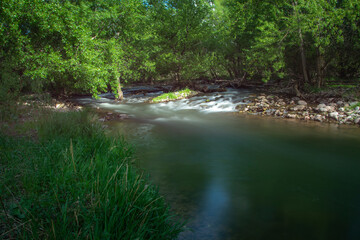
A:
{"points": [[172, 96]]}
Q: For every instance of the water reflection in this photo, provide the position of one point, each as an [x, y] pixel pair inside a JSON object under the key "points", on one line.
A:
{"points": [[241, 183]]}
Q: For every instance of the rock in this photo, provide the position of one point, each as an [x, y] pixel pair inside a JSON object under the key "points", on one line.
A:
{"points": [[302, 102], [330, 108], [348, 119], [357, 120], [305, 113], [123, 116], [326, 109], [241, 107], [319, 118], [357, 108], [353, 103], [323, 109], [289, 115], [334, 115], [299, 107], [320, 106], [60, 105], [340, 103]]}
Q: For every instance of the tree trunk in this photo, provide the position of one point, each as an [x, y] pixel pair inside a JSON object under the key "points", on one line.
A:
{"points": [[120, 95], [302, 49], [150, 80], [320, 69], [303, 59], [230, 72], [177, 74]]}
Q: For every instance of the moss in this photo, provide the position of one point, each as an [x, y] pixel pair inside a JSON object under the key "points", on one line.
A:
{"points": [[174, 96]]}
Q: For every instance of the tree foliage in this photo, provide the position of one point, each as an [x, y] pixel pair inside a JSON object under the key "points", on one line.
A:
{"points": [[86, 46]]}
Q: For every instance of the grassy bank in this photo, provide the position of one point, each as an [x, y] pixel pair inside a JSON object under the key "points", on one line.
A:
{"points": [[74, 182]]}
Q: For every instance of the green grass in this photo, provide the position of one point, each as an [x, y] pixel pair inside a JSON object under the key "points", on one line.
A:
{"points": [[77, 183], [174, 96]]}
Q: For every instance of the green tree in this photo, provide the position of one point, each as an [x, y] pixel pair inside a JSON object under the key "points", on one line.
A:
{"points": [[180, 28]]}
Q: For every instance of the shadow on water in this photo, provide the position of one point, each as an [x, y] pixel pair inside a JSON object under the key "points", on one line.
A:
{"points": [[250, 178]]}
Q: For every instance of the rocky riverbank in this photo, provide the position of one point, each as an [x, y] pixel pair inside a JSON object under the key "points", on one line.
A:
{"points": [[330, 110]]}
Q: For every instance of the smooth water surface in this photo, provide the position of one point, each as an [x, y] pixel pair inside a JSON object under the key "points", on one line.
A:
{"points": [[236, 177]]}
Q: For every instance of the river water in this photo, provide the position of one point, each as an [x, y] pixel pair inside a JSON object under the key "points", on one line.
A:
{"points": [[238, 177]]}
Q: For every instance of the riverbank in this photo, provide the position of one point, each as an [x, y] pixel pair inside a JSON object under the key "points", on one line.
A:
{"points": [[328, 110], [63, 177], [329, 106]]}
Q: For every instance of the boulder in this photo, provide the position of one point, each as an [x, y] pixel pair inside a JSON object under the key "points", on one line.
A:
{"points": [[334, 115], [302, 102]]}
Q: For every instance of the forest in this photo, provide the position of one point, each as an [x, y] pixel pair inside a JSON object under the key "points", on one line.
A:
{"points": [[94, 46]]}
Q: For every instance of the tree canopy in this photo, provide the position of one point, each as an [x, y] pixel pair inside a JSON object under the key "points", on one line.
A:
{"points": [[87, 46]]}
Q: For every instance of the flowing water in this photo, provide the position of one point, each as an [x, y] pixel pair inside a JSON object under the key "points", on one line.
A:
{"points": [[237, 177]]}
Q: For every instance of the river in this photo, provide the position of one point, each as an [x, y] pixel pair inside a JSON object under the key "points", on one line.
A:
{"points": [[242, 177]]}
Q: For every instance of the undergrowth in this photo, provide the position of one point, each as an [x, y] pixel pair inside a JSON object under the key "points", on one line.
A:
{"points": [[77, 183]]}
